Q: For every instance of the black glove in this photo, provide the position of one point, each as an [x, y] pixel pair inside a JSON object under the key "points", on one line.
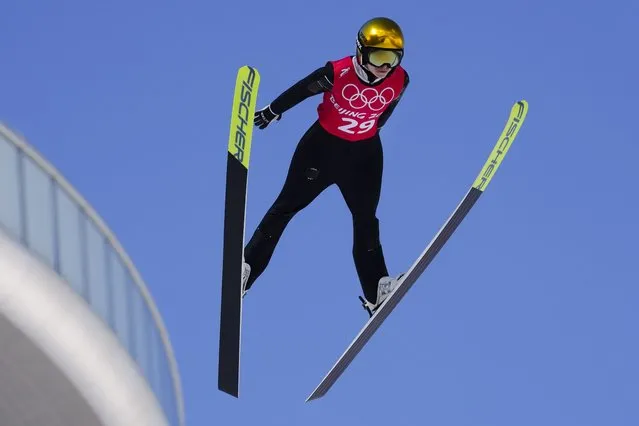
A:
{"points": [[264, 117]]}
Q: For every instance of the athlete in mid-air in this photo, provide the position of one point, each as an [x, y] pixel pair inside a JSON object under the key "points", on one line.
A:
{"points": [[342, 147]]}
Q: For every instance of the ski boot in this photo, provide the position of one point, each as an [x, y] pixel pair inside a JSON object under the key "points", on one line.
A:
{"points": [[385, 287], [246, 272]]}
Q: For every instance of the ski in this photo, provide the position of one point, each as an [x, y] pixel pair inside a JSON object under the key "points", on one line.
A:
{"points": [[516, 119], [238, 156]]}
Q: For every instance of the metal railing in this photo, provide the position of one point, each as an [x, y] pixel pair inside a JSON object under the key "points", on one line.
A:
{"points": [[41, 210]]}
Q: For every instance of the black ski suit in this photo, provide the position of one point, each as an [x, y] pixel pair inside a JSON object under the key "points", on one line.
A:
{"points": [[320, 160]]}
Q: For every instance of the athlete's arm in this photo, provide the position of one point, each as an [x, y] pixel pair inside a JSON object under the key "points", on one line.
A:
{"points": [[316, 82], [387, 113]]}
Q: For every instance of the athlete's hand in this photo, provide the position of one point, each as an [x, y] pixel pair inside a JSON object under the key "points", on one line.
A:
{"points": [[265, 116]]}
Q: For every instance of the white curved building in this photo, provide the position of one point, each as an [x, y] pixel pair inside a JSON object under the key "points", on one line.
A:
{"points": [[81, 341]]}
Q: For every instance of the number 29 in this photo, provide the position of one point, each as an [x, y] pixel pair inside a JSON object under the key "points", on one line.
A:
{"points": [[362, 127]]}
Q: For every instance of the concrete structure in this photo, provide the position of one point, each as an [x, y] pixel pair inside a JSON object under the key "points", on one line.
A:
{"points": [[81, 342]]}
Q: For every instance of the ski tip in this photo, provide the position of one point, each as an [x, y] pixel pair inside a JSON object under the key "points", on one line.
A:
{"points": [[515, 120], [523, 103], [522, 106], [247, 67]]}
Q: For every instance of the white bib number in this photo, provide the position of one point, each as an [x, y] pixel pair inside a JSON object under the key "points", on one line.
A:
{"points": [[351, 124]]}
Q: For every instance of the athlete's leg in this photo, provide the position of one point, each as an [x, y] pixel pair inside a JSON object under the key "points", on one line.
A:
{"points": [[360, 182], [307, 177]]}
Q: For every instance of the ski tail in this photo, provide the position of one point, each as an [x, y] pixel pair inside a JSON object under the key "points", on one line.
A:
{"points": [[238, 157], [515, 120]]}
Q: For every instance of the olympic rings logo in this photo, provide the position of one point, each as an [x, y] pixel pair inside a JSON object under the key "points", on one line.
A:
{"points": [[369, 97]]}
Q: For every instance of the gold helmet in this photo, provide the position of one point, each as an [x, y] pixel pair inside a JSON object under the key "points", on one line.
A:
{"points": [[380, 41]]}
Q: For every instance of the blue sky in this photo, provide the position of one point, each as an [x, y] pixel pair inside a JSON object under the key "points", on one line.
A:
{"points": [[527, 317]]}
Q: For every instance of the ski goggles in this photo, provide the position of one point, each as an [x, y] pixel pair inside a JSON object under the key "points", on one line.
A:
{"points": [[380, 57]]}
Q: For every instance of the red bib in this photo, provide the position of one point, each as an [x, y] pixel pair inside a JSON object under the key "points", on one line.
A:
{"points": [[350, 110]]}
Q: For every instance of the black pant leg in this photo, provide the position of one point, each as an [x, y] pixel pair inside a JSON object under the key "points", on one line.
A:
{"points": [[360, 181], [307, 177]]}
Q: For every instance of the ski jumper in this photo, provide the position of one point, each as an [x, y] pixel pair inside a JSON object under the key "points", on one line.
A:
{"points": [[342, 147]]}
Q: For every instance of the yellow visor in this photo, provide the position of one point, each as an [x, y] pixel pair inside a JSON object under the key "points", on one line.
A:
{"points": [[379, 57]]}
